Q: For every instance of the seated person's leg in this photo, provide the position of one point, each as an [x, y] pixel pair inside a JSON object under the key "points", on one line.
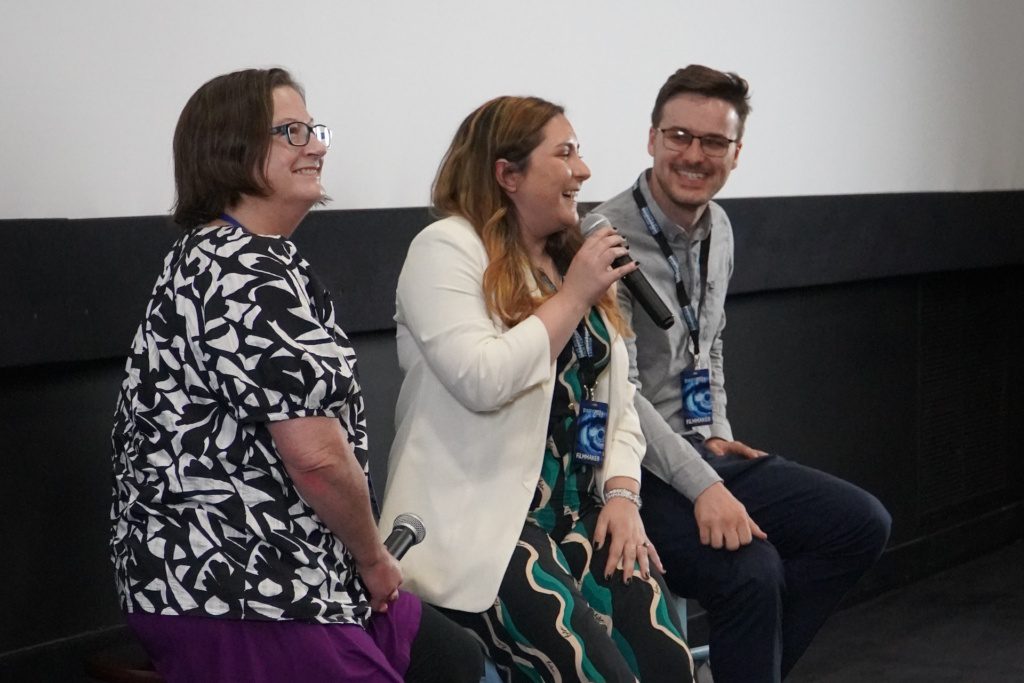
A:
{"points": [[741, 590], [444, 652], [639, 615], [209, 650], [828, 533], [542, 627]]}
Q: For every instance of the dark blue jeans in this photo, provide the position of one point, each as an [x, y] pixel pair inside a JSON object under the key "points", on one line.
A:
{"points": [[767, 600]]}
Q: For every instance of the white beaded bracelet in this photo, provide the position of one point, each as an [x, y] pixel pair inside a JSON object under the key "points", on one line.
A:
{"points": [[624, 493]]}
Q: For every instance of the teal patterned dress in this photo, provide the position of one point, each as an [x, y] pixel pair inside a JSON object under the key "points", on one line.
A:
{"points": [[556, 617]]}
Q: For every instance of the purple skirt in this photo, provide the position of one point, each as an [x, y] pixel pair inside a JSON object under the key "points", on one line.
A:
{"points": [[197, 649]]}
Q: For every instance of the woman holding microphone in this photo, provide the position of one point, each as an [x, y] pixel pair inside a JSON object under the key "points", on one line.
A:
{"points": [[517, 441]]}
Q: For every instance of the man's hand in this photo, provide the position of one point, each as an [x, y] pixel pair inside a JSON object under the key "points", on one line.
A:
{"points": [[720, 446], [722, 520]]}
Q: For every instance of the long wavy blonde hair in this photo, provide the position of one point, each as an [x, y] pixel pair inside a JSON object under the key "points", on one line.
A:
{"points": [[507, 128]]}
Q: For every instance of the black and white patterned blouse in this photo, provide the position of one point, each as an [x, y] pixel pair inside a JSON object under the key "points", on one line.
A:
{"points": [[238, 333]]}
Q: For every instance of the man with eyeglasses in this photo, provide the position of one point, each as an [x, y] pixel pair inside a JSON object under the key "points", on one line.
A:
{"points": [[767, 546]]}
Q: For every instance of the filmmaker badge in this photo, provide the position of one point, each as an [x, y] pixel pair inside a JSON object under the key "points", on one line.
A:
{"points": [[696, 397], [591, 424]]}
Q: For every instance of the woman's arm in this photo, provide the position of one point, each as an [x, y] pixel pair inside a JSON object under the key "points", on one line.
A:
{"points": [[589, 276], [320, 461], [441, 302], [624, 449]]}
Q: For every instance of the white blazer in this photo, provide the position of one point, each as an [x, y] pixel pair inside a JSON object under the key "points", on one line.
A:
{"points": [[471, 421]]}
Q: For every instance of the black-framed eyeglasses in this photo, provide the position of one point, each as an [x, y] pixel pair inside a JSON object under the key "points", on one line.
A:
{"points": [[298, 133], [680, 139]]}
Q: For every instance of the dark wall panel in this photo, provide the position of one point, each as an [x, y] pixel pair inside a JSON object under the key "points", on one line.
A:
{"points": [[56, 580], [827, 376], [79, 286], [359, 255], [876, 337], [381, 381], [803, 241]]}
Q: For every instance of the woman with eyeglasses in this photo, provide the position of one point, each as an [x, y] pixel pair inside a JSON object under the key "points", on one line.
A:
{"points": [[244, 542], [517, 440]]}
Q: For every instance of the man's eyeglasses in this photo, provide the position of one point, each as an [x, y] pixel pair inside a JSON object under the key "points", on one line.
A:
{"points": [[297, 133], [680, 139]]}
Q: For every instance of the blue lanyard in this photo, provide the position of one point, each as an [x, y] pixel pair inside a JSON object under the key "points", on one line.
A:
{"points": [[689, 316], [232, 220]]}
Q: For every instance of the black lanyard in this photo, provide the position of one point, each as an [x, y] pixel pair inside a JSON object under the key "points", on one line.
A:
{"points": [[691, 318], [583, 345]]}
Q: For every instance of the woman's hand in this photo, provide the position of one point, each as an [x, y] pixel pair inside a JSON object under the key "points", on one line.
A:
{"points": [[620, 523], [589, 277], [381, 576], [591, 272]]}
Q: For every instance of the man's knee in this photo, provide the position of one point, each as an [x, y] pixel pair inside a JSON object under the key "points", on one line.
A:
{"points": [[876, 523], [757, 578], [764, 573], [860, 521], [858, 524]]}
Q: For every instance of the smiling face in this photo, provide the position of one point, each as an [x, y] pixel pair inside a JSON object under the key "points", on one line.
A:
{"points": [[293, 173], [684, 182], [544, 191]]}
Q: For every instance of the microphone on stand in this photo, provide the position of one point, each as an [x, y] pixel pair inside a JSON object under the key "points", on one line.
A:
{"points": [[407, 531], [636, 282]]}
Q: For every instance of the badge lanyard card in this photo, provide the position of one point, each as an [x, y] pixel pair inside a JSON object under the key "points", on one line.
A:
{"points": [[592, 418], [695, 382]]}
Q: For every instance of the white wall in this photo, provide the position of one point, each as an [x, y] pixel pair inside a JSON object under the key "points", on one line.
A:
{"points": [[849, 96]]}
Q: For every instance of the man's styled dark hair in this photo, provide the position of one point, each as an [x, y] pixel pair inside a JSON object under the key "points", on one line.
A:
{"points": [[221, 143], [703, 80]]}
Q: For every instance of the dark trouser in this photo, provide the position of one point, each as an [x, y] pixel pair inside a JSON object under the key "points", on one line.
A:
{"points": [[443, 652], [767, 600]]}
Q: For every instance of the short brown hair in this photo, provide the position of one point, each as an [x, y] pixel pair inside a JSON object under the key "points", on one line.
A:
{"points": [[221, 143], [708, 82]]}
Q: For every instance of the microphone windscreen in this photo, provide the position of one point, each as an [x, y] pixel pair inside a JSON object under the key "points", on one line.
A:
{"points": [[413, 523]]}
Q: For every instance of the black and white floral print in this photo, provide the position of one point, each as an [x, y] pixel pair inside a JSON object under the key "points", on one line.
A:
{"points": [[238, 333]]}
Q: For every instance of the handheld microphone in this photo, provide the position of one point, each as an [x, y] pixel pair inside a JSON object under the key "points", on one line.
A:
{"points": [[635, 281], [408, 530]]}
